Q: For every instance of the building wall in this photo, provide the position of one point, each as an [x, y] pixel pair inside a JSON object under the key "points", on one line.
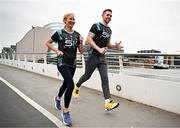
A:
{"points": [[34, 42]]}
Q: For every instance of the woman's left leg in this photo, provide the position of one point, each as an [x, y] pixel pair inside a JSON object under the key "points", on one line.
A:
{"points": [[67, 73]]}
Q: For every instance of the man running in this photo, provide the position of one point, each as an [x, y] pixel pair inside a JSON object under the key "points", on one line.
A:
{"points": [[99, 39]]}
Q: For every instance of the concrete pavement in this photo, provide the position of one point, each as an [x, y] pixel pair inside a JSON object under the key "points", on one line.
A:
{"points": [[88, 109]]}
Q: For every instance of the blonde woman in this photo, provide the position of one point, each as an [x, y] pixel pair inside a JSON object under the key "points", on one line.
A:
{"points": [[68, 41]]}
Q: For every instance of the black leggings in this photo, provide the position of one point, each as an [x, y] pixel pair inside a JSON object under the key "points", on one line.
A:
{"points": [[67, 73]]}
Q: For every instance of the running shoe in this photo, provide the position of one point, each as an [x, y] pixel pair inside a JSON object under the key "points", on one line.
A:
{"points": [[75, 91], [57, 103], [111, 105], [66, 118]]}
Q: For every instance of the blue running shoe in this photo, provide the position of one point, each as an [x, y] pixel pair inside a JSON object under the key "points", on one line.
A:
{"points": [[66, 118], [57, 103]]}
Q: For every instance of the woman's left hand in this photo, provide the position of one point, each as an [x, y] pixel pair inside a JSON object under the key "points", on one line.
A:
{"points": [[81, 39]]}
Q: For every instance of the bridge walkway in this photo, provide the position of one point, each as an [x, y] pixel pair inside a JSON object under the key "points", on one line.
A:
{"points": [[88, 109]]}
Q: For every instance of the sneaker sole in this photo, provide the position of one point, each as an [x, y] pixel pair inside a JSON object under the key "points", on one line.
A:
{"points": [[75, 96], [63, 120], [55, 104], [112, 108]]}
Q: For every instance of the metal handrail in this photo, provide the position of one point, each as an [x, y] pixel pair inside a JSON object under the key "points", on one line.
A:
{"points": [[109, 53]]}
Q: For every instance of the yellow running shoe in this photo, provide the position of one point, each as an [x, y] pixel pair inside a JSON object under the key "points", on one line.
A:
{"points": [[75, 91], [111, 105]]}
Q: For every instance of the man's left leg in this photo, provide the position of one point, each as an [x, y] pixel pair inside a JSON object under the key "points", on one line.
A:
{"points": [[109, 104]]}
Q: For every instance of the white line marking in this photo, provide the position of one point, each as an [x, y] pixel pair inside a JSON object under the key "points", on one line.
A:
{"points": [[50, 116]]}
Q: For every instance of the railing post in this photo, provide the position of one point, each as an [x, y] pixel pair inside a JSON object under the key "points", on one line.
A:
{"points": [[120, 64], [33, 57], [8, 56], [18, 58], [4, 56], [83, 61], [172, 60], [13, 56], [45, 61], [25, 58]]}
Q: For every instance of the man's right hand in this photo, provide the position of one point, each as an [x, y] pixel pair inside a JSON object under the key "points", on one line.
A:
{"points": [[102, 50]]}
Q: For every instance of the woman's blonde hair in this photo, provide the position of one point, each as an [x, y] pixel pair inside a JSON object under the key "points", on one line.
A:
{"points": [[66, 15]]}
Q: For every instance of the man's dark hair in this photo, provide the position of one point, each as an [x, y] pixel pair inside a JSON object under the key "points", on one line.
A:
{"points": [[106, 11]]}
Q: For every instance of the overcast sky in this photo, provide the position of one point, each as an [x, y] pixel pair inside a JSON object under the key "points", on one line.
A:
{"points": [[140, 24]]}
